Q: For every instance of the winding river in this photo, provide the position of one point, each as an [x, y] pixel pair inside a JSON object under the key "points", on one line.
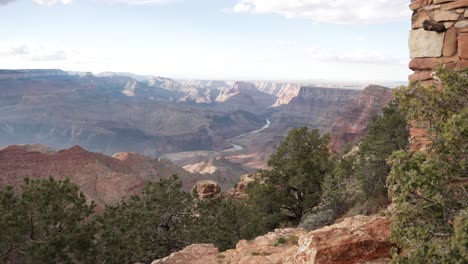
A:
{"points": [[239, 147]]}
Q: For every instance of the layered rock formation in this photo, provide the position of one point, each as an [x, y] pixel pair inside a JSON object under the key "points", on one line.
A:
{"points": [[360, 239], [112, 114], [355, 116], [103, 179]]}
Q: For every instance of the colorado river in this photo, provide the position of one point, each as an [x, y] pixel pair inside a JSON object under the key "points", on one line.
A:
{"points": [[239, 147], [267, 125]]}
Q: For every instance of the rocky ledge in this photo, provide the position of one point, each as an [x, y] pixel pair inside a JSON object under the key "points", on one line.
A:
{"points": [[359, 239]]}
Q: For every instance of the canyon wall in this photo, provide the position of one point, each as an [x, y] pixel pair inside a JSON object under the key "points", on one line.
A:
{"points": [[439, 36]]}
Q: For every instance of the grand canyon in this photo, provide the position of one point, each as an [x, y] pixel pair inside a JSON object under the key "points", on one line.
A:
{"points": [[215, 130], [233, 132]]}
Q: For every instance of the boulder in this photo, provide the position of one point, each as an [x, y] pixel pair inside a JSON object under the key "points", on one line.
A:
{"points": [[359, 239], [207, 189], [355, 240]]}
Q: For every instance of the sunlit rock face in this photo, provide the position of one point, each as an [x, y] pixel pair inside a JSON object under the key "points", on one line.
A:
{"points": [[356, 115], [359, 239]]}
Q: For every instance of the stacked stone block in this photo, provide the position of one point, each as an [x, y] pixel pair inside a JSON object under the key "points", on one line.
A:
{"points": [[439, 36]]}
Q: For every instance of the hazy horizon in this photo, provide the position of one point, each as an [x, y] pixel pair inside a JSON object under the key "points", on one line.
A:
{"points": [[279, 40]]}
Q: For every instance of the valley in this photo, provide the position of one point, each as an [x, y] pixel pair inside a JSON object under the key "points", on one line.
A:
{"points": [[221, 129]]}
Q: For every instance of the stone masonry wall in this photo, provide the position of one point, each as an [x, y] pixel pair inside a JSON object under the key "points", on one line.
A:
{"points": [[439, 36]]}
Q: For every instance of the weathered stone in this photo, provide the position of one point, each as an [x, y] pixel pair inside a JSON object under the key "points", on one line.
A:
{"points": [[423, 64], [191, 254], [460, 10], [449, 24], [463, 64], [463, 46], [417, 4], [440, 16], [466, 14], [442, 1], [355, 240], [455, 5], [462, 24], [420, 76], [432, 7], [425, 43], [359, 239], [418, 19], [450, 42], [206, 189], [463, 30]]}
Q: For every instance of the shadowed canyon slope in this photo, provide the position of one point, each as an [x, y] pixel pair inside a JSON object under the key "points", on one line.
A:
{"points": [[103, 179], [113, 114]]}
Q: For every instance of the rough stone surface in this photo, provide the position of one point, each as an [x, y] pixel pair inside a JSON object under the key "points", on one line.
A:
{"points": [[355, 240], [425, 43], [360, 239], [455, 5], [445, 16], [423, 64], [208, 251], [462, 24], [463, 46], [450, 42], [419, 18], [420, 76], [417, 4], [207, 189]]}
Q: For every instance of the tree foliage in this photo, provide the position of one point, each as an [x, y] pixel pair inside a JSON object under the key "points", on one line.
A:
{"points": [[387, 133], [45, 223], [430, 188], [146, 227], [293, 186]]}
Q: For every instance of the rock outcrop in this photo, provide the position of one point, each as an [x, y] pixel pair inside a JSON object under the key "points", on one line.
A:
{"points": [[103, 179], [360, 239], [206, 189], [356, 115]]}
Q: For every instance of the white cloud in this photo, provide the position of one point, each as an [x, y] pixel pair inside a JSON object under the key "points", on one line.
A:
{"points": [[328, 11], [355, 57], [52, 2], [31, 52], [140, 2]]}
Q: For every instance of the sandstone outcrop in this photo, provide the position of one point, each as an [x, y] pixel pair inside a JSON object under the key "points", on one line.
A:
{"points": [[103, 179], [356, 115], [359, 239], [206, 189], [221, 170]]}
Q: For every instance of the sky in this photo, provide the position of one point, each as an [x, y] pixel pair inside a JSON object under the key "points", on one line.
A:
{"points": [[349, 40]]}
